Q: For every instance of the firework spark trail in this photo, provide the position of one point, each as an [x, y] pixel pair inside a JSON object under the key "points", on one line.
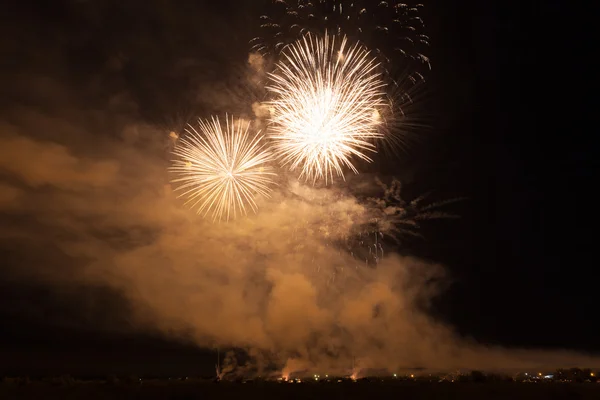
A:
{"points": [[326, 99], [222, 170], [396, 217], [393, 28]]}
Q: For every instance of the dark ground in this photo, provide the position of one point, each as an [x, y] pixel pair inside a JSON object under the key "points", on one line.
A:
{"points": [[182, 390]]}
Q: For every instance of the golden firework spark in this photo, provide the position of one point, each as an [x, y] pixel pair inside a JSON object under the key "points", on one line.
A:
{"points": [[326, 93], [222, 170]]}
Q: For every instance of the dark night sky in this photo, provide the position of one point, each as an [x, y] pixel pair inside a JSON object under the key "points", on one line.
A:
{"points": [[509, 135]]}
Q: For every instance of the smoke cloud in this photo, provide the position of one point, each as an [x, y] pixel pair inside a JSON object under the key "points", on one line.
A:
{"points": [[271, 282]]}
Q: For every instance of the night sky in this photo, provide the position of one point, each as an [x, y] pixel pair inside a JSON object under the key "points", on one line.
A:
{"points": [[508, 133]]}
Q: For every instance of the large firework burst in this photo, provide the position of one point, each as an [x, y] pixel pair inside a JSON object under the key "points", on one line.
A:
{"points": [[325, 107], [221, 170]]}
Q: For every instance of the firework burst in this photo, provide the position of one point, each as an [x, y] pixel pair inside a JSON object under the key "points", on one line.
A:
{"points": [[220, 170], [326, 99]]}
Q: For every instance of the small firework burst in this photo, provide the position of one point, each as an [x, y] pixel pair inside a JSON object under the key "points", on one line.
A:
{"points": [[221, 170]]}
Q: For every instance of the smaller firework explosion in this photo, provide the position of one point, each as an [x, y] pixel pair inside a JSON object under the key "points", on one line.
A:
{"points": [[221, 170], [395, 217], [326, 96]]}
